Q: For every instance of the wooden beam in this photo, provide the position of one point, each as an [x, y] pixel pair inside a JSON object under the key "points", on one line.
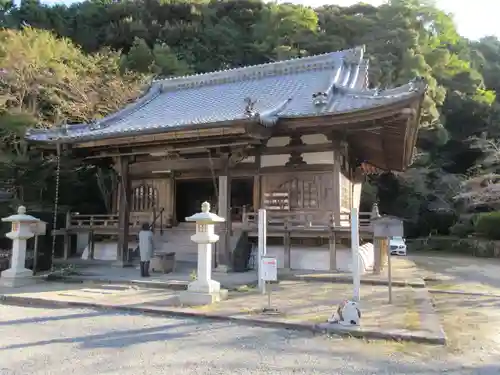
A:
{"points": [[175, 165], [340, 122], [169, 148], [302, 149], [298, 168], [172, 136], [240, 170]]}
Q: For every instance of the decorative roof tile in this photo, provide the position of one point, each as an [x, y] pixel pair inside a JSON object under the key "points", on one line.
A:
{"points": [[310, 86]]}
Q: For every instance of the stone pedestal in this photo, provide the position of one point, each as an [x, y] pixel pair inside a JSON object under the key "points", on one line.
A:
{"points": [[204, 290], [22, 229]]}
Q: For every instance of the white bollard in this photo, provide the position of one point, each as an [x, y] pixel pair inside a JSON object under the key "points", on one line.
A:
{"points": [[356, 277], [262, 246]]}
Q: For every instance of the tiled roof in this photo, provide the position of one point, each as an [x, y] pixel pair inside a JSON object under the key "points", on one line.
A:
{"points": [[312, 86]]}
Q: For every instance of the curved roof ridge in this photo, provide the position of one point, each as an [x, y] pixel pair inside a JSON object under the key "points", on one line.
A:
{"points": [[290, 66], [418, 85], [153, 91]]}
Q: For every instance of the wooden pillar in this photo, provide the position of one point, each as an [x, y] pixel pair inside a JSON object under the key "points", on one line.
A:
{"points": [[171, 201], [337, 188], [123, 211], [332, 247], [257, 191], [91, 244], [67, 237], [287, 246], [377, 250], [224, 205]]}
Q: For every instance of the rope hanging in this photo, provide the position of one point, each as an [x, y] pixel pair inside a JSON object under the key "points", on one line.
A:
{"points": [[56, 203]]}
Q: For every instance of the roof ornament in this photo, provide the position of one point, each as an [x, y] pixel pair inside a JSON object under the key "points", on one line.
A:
{"points": [[378, 90], [417, 83], [250, 108], [271, 116], [320, 99], [96, 125]]}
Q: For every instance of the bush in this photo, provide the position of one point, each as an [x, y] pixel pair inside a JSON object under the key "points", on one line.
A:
{"points": [[488, 225], [464, 228]]}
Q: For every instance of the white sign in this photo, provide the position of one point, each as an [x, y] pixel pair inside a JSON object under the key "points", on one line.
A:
{"points": [[388, 227], [39, 228], [269, 268]]}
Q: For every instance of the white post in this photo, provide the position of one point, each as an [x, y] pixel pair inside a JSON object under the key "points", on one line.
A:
{"points": [[356, 277], [262, 246]]}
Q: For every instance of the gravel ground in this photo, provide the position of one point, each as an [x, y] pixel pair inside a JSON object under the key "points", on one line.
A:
{"points": [[82, 342]]}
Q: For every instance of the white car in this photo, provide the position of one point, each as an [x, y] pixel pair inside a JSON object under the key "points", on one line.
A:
{"points": [[397, 246]]}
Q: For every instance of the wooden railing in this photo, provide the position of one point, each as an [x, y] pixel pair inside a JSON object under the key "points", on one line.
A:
{"points": [[76, 220], [303, 220]]}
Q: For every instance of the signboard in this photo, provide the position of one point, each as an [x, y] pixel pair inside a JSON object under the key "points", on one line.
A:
{"points": [[38, 228], [388, 227], [269, 266]]}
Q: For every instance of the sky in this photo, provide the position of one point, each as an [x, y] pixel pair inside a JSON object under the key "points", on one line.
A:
{"points": [[474, 19]]}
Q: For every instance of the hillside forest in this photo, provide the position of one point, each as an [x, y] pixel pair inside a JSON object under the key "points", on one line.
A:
{"points": [[68, 64]]}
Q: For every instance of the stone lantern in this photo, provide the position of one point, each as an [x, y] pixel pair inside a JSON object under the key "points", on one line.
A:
{"points": [[21, 230], [204, 290]]}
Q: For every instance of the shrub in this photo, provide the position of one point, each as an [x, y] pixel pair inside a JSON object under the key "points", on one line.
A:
{"points": [[464, 227], [488, 225]]}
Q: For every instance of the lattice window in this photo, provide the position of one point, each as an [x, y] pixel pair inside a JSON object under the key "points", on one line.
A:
{"points": [[294, 194], [144, 198]]}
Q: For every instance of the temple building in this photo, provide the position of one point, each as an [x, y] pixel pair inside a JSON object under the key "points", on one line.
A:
{"points": [[295, 137]]}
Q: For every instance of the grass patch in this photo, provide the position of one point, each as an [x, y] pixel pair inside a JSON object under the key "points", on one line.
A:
{"points": [[412, 319], [465, 287], [205, 308], [469, 322], [245, 288], [309, 318]]}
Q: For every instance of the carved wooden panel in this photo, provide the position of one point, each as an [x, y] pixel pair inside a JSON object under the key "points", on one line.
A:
{"points": [[301, 191]]}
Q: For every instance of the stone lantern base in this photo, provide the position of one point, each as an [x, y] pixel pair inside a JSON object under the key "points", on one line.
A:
{"points": [[188, 298], [199, 293], [15, 278]]}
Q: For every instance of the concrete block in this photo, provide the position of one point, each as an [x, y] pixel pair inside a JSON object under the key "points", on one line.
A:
{"points": [[188, 298], [12, 279]]}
